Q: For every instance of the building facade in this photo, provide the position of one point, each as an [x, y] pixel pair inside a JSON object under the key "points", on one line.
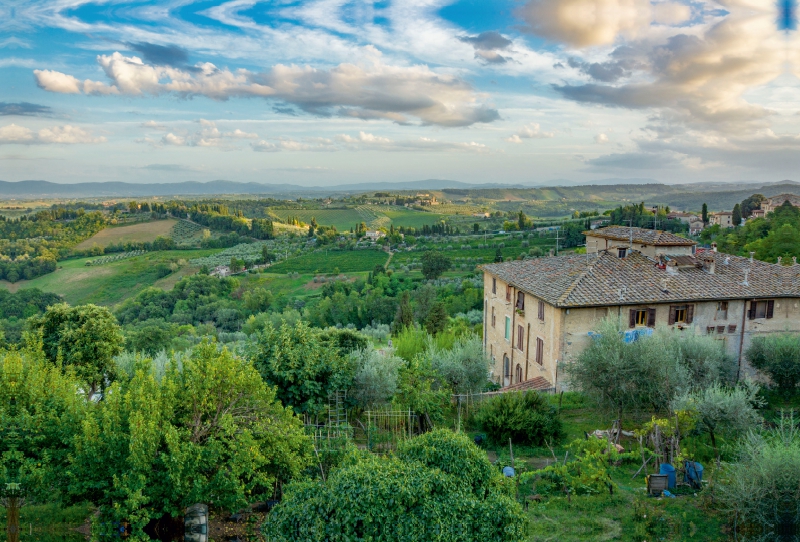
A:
{"points": [[540, 314], [723, 219]]}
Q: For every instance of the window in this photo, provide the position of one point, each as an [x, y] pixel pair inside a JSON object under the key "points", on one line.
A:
{"points": [[508, 328], [520, 338], [642, 318], [494, 285], [732, 329], [722, 310], [720, 329], [539, 351], [710, 330], [761, 309], [622, 252], [681, 314], [518, 373], [508, 293], [521, 301], [506, 370], [541, 310], [493, 317]]}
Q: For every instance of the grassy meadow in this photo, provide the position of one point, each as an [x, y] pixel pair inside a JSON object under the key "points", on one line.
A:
{"points": [[329, 262], [113, 282]]}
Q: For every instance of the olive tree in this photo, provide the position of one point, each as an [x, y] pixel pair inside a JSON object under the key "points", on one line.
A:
{"points": [[721, 410], [761, 491], [465, 366], [779, 357], [646, 374], [376, 377]]}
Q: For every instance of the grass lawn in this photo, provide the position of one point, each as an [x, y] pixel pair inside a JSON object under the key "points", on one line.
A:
{"points": [[349, 261], [143, 232], [110, 283]]}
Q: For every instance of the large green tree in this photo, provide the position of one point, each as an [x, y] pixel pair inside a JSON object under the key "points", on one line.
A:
{"points": [[86, 338], [299, 361], [434, 263], [209, 430], [736, 218]]}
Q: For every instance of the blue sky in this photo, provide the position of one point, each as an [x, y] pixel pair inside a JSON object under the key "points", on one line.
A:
{"points": [[331, 91]]}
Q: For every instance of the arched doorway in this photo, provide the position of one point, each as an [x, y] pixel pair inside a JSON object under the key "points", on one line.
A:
{"points": [[506, 370]]}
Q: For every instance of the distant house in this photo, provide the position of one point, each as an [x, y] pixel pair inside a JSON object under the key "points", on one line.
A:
{"points": [[696, 226], [374, 235], [770, 204], [686, 218], [594, 224], [758, 213], [723, 219]]}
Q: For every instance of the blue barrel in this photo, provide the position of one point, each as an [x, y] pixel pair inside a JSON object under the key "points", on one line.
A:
{"points": [[694, 474], [508, 472], [669, 470]]}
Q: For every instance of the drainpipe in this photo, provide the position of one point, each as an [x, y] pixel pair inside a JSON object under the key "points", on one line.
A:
{"points": [[741, 339], [527, 350], [513, 329]]}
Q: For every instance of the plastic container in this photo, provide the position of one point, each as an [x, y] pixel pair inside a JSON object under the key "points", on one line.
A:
{"points": [[694, 474], [669, 470]]}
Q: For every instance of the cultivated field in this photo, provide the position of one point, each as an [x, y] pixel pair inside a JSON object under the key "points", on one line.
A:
{"points": [[350, 261], [341, 219], [146, 231]]}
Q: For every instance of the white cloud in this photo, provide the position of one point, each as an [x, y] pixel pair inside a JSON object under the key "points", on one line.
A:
{"points": [[66, 134], [367, 141], [172, 139], [530, 131], [372, 89], [601, 139], [239, 134], [15, 134], [587, 23], [153, 125], [264, 146]]}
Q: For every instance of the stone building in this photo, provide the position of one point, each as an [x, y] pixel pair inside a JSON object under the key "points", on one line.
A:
{"points": [[770, 204], [540, 313]]}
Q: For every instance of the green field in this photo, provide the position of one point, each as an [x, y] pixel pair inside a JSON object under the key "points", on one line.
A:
{"points": [[350, 261], [344, 219], [109, 283]]}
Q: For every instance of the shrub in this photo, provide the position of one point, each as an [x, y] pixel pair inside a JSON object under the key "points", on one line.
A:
{"points": [[779, 357], [439, 487], [525, 418], [464, 367], [761, 492]]}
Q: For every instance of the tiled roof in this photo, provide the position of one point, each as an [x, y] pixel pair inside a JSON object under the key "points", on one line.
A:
{"points": [[641, 236], [539, 383], [602, 279]]}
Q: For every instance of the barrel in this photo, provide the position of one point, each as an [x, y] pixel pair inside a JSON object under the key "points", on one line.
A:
{"points": [[669, 470]]}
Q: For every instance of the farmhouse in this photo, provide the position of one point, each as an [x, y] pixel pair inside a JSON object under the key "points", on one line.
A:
{"points": [[541, 313], [724, 219], [374, 235]]}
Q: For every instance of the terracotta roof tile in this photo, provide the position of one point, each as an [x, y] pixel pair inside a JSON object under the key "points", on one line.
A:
{"points": [[603, 279], [641, 236]]}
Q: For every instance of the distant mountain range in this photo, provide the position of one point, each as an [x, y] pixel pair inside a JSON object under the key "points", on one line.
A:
{"points": [[46, 189]]}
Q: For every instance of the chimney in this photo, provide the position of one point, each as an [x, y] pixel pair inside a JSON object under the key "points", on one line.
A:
{"points": [[746, 272], [672, 268], [709, 265], [664, 285], [751, 257], [551, 252], [779, 260], [794, 260], [713, 247], [727, 260]]}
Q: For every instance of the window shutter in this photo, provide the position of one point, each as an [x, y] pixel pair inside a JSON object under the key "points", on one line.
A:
{"points": [[651, 318], [541, 310], [539, 351], [751, 314], [689, 313], [770, 308], [632, 321], [672, 310]]}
